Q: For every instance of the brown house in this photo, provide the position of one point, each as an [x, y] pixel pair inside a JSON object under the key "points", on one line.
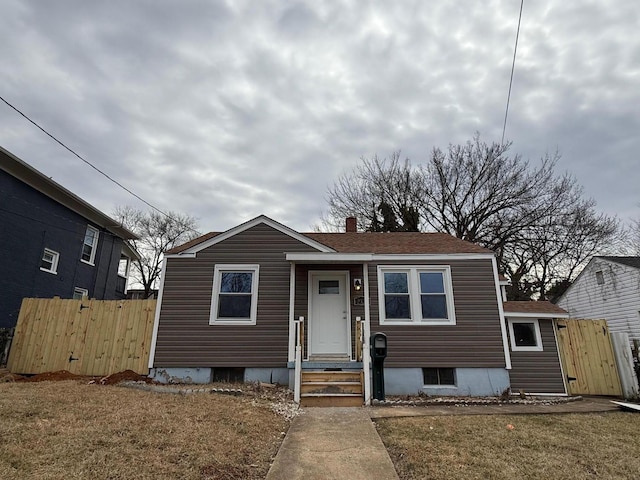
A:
{"points": [[262, 302]]}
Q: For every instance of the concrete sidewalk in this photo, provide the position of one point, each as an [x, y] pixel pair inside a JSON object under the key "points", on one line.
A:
{"points": [[332, 443], [342, 443]]}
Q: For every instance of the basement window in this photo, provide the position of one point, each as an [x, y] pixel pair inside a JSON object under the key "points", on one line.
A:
{"points": [[228, 375], [439, 376]]}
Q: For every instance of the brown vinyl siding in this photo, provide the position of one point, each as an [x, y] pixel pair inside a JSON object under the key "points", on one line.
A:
{"points": [[474, 341], [185, 338], [538, 372]]}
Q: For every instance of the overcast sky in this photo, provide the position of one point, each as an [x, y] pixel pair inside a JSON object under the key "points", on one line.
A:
{"points": [[226, 110]]}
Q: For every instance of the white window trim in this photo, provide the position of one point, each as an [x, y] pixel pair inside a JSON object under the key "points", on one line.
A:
{"points": [[84, 291], [414, 294], [536, 325], [94, 247], [217, 277], [54, 263]]}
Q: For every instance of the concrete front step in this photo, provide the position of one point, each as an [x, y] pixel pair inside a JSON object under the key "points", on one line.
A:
{"points": [[331, 401]]}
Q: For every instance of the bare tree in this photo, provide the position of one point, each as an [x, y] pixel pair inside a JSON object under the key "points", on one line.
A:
{"points": [[634, 236], [158, 233], [535, 220], [383, 194]]}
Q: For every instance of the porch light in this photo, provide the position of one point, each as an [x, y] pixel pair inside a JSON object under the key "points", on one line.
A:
{"points": [[357, 284]]}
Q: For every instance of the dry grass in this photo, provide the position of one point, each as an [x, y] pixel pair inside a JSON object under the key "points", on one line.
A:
{"points": [[576, 446], [66, 430]]}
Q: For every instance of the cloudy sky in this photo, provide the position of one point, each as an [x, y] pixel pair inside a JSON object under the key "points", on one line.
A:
{"points": [[228, 109]]}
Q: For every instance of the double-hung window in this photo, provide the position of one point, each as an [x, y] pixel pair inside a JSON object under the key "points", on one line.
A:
{"points": [[90, 245], [416, 295], [49, 262], [235, 294]]}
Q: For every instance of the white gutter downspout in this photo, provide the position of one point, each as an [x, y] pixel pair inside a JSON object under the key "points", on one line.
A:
{"points": [[503, 326]]}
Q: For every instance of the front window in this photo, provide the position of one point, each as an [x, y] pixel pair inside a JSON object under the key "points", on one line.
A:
{"points": [[416, 295], [89, 246], [49, 262], [235, 294], [525, 335]]}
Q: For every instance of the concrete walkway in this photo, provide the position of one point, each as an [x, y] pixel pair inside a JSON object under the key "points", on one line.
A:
{"points": [[332, 443], [342, 443]]}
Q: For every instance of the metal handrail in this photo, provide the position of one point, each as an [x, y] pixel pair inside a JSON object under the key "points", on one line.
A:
{"points": [[298, 360]]}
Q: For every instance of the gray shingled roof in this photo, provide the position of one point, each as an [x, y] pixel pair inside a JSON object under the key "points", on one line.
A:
{"points": [[629, 261]]}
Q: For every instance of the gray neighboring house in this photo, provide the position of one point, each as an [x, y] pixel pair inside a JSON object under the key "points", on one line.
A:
{"points": [[229, 306], [608, 288]]}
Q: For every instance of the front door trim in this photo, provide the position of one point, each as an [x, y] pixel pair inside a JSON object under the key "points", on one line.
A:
{"points": [[310, 296]]}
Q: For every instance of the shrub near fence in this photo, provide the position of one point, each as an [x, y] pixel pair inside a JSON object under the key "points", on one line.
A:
{"points": [[85, 337]]}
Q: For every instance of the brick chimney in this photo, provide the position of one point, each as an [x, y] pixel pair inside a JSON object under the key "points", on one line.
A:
{"points": [[352, 225]]}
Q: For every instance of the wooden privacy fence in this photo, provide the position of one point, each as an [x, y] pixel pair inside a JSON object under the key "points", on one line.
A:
{"points": [[85, 337], [587, 357]]}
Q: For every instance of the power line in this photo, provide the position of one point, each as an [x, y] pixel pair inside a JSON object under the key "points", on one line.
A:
{"points": [[86, 161], [513, 67]]}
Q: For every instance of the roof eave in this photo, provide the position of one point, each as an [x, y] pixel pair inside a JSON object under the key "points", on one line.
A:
{"points": [[45, 185]]}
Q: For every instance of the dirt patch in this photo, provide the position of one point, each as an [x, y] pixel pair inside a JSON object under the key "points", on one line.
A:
{"points": [[62, 375], [126, 376], [57, 376]]}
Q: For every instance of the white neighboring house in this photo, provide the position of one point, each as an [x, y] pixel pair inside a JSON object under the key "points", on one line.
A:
{"points": [[608, 288]]}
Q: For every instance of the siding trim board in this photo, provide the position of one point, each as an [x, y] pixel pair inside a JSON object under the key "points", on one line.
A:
{"points": [[503, 326], [156, 321]]}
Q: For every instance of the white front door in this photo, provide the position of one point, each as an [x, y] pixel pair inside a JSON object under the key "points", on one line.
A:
{"points": [[329, 314]]}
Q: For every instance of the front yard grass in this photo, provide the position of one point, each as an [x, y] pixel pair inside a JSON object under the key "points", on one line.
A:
{"points": [[69, 429], [575, 446]]}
